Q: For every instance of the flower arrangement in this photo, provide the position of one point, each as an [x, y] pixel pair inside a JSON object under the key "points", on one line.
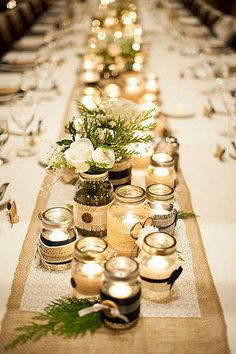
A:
{"points": [[102, 136]]}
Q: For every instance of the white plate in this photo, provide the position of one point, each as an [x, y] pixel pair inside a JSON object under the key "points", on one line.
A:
{"points": [[178, 110]]}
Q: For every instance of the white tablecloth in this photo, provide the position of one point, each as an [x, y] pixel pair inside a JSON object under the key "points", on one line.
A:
{"points": [[211, 182]]}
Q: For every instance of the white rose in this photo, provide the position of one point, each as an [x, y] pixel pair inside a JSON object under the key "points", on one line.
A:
{"points": [[79, 152], [101, 155]]}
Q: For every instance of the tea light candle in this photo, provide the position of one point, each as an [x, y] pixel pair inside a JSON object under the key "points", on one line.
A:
{"points": [[58, 235], [129, 221], [157, 261], [121, 285], [120, 290], [161, 170], [113, 90], [151, 83], [87, 266], [133, 86], [90, 77], [57, 238]]}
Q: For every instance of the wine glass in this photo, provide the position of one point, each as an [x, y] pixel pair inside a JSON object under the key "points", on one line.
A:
{"points": [[4, 135], [22, 109]]}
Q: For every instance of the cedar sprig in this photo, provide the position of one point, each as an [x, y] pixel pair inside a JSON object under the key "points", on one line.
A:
{"points": [[186, 214], [60, 318]]}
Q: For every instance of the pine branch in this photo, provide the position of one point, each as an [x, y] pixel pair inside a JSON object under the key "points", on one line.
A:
{"points": [[186, 214], [60, 318]]}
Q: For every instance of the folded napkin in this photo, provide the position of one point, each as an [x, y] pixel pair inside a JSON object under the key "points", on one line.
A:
{"points": [[30, 42], [22, 58], [9, 83], [225, 28]]}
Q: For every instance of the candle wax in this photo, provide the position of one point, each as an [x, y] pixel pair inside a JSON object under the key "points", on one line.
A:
{"points": [[58, 235], [120, 290]]}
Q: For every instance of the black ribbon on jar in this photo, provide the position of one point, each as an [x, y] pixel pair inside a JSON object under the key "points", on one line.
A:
{"points": [[129, 307], [170, 281]]}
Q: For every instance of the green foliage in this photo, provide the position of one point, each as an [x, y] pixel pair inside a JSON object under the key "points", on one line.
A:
{"points": [[117, 132], [60, 318], [186, 214]]}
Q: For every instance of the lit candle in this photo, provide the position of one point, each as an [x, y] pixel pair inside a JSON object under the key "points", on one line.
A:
{"points": [[112, 91], [161, 170], [120, 290], [157, 261], [58, 235], [133, 86], [129, 221], [87, 267], [151, 83], [90, 76]]}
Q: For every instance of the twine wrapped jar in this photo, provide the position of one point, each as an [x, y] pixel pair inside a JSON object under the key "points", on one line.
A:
{"points": [[57, 238], [160, 197], [158, 265], [121, 286], [87, 266], [128, 209], [94, 193], [161, 170]]}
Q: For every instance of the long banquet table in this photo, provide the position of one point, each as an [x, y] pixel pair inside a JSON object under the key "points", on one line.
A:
{"points": [[211, 182]]}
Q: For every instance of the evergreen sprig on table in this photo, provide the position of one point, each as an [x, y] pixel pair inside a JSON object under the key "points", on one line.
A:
{"points": [[186, 214], [60, 318]]}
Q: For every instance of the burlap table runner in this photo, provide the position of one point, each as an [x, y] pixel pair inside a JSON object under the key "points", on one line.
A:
{"points": [[203, 335]]}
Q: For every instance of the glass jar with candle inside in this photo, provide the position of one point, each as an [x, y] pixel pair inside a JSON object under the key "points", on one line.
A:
{"points": [[57, 238], [158, 265], [128, 209], [87, 267], [160, 197], [161, 170], [121, 286]]}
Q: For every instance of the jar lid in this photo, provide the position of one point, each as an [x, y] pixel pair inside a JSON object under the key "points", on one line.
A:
{"points": [[56, 218], [160, 192], [159, 243], [90, 249], [130, 194], [121, 268], [162, 160]]}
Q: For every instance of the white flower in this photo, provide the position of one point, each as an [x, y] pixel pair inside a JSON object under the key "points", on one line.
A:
{"points": [[79, 152], [104, 156]]}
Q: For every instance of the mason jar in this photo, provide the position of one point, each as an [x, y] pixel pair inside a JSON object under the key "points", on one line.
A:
{"points": [[121, 286], [128, 209], [88, 265], [120, 174], [57, 238], [158, 265], [161, 170], [94, 193], [160, 197]]}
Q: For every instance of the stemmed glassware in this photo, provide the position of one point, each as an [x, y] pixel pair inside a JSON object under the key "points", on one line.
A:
{"points": [[4, 135], [22, 109]]}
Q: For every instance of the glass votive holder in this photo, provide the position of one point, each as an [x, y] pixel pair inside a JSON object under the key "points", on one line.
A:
{"points": [[160, 197], [87, 266], [161, 170], [158, 265], [128, 208], [57, 238], [121, 286]]}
